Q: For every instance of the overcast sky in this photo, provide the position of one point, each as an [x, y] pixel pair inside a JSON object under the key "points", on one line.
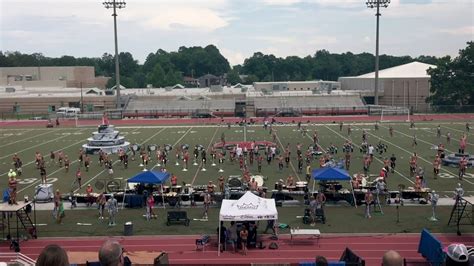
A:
{"points": [[237, 27]]}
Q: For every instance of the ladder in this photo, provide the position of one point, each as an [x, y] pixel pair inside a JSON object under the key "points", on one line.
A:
{"points": [[460, 214], [26, 222]]}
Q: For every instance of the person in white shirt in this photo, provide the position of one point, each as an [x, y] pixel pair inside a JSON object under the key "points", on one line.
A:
{"points": [[371, 151]]}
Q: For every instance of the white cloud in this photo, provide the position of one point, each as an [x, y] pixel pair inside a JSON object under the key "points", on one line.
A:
{"points": [[334, 3], [274, 39], [467, 30], [198, 15], [281, 2], [180, 17], [234, 57]]}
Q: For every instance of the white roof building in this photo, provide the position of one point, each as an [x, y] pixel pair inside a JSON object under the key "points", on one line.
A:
{"points": [[406, 86], [410, 70]]}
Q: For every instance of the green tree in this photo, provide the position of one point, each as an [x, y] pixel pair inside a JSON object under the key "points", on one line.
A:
{"points": [[157, 77], [452, 81], [233, 77]]}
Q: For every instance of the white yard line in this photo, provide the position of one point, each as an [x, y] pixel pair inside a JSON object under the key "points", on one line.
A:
{"points": [[21, 140], [4, 137], [410, 152], [34, 146], [245, 132], [408, 179], [75, 143], [37, 181], [291, 163], [97, 175], [185, 133], [444, 136], [200, 165]]}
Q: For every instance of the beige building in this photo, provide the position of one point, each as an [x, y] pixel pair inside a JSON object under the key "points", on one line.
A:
{"points": [[41, 101], [403, 86], [314, 85], [62, 77]]}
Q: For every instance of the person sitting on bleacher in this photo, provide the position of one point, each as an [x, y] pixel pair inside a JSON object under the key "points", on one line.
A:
{"points": [[392, 258]]}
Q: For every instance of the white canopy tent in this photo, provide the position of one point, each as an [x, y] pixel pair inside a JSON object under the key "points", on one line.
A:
{"points": [[249, 207]]}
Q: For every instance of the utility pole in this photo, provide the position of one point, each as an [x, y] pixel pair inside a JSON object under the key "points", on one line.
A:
{"points": [[82, 101], [377, 4], [114, 4]]}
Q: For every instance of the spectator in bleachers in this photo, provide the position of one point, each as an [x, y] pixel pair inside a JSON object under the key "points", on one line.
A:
{"points": [[111, 254], [392, 258], [53, 255], [321, 261]]}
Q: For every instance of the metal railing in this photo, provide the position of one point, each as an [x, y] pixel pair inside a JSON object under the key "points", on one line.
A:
{"points": [[16, 257]]}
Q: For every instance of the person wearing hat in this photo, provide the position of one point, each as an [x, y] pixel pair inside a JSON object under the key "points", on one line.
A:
{"points": [[11, 173], [457, 254]]}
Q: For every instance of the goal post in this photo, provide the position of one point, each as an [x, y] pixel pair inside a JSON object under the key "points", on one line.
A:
{"points": [[395, 114], [88, 120], [93, 119]]}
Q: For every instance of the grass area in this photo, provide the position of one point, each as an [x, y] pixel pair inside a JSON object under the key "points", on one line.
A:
{"points": [[26, 141], [339, 220]]}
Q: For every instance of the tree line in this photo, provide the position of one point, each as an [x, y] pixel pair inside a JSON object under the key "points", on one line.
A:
{"points": [[164, 68]]}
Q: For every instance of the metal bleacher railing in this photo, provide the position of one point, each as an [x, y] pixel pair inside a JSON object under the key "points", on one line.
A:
{"points": [[16, 257]]}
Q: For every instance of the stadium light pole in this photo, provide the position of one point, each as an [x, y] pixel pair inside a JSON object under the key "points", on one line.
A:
{"points": [[114, 4], [377, 4]]}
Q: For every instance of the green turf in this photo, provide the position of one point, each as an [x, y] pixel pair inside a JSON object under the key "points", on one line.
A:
{"points": [[339, 220], [26, 141]]}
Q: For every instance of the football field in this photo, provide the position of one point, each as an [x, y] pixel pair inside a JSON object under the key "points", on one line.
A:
{"points": [[26, 141]]}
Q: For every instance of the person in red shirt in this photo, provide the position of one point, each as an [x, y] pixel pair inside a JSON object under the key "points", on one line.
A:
{"points": [[436, 166], [383, 174], [462, 144], [12, 185], [220, 181], [150, 203], [90, 198], [462, 167], [79, 177], [174, 180]]}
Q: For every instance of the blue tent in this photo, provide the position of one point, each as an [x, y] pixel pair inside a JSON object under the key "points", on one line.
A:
{"points": [[330, 173], [150, 177]]}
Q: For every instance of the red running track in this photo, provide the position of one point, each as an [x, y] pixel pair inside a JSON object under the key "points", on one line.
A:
{"points": [[182, 249], [201, 121]]}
